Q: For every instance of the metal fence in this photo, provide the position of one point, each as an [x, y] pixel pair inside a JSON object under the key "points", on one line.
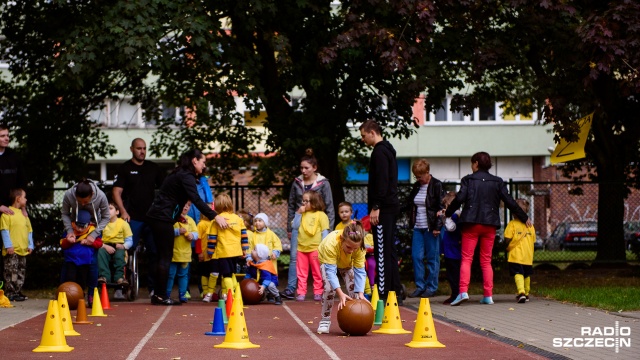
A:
{"points": [[554, 207]]}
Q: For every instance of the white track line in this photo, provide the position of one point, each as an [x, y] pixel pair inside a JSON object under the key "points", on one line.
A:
{"points": [[312, 335], [146, 338]]}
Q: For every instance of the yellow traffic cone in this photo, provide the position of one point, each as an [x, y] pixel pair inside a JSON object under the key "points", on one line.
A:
{"points": [[237, 336], [391, 323], [81, 314], [424, 334], [374, 296], [237, 296], [53, 339], [234, 282], [65, 315], [96, 308]]}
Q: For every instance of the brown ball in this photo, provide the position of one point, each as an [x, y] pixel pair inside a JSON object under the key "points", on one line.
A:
{"points": [[356, 317], [249, 289], [74, 293]]}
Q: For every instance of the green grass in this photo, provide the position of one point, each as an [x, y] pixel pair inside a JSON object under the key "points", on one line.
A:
{"points": [[611, 298], [567, 255]]}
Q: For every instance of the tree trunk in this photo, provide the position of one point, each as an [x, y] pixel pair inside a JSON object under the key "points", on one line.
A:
{"points": [[611, 195]]}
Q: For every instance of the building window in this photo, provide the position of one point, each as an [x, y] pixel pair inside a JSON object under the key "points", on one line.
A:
{"points": [[487, 112]]}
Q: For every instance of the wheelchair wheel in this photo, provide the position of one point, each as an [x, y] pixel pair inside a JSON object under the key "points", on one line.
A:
{"points": [[134, 283]]}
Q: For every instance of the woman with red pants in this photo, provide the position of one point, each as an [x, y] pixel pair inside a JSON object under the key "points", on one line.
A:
{"points": [[481, 193]]}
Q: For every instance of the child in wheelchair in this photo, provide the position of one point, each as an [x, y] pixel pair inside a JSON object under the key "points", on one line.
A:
{"points": [[117, 238]]}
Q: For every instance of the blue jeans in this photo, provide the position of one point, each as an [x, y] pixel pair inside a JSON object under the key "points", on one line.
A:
{"points": [[292, 282], [424, 246], [181, 271]]}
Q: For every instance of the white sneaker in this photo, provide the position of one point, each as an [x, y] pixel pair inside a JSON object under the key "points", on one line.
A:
{"points": [[118, 295], [324, 326], [207, 298]]}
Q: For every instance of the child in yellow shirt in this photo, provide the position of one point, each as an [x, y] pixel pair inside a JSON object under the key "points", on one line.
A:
{"points": [[313, 225], [520, 240], [229, 245], [341, 252], [185, 231], [17, 241], [117, 238]]}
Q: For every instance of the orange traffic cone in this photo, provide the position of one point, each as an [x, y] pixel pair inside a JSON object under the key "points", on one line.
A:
{"points": [[65, 315], [53, 339], [81, 314], [96, 309], [424, 333], [229, 302], [104, 298], [237, 336], [391, 323]]}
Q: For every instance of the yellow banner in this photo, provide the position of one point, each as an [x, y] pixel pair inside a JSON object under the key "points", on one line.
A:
{"points": [[567, 151]]}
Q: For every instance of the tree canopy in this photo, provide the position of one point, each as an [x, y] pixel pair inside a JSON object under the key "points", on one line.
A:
{"points": [[351, 61]]}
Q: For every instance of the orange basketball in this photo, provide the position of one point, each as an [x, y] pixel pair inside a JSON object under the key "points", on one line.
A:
{"points": [[74, 293], [356, 317], [249, 289]]}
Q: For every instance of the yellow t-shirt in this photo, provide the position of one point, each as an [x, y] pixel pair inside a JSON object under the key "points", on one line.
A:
{"points": [[229, 242], [341, 225], [310, 231], [182, 246], [19, 227], [330, 252], [115, 232], [522, 240]]}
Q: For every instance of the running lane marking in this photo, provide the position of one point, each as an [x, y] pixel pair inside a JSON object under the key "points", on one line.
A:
{"points": [[312, 335], [136, 351]]}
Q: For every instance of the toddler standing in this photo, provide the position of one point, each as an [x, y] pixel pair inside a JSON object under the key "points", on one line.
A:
{"points": [[341, 252], [17, 241], [185, 231], [227, 245], [520, 240], [313, 225]]}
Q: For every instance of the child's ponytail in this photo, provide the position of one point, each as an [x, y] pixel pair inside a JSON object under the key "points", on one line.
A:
{"points": [[354, 232]]}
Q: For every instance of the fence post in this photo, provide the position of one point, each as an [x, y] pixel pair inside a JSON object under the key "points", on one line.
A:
{"points": [[237, 187]]}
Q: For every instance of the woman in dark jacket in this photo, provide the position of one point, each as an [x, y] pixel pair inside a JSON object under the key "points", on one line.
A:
{"points": [[481, 193], [177, 188], [424, 202]]}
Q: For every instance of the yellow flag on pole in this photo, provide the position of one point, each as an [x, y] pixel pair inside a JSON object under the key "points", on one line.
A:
{"points": [[567, 151]]}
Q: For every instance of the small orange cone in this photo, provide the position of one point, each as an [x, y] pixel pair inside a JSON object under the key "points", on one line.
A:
{"points": [[104, 298], [81, 314], [96, 309], [229, 302], [237, 336], [424, 333], [53, 339], [65, 315], [391, 322]]}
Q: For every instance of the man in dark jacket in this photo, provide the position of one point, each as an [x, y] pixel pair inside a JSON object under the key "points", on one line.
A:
{"points": [[382, 197]]}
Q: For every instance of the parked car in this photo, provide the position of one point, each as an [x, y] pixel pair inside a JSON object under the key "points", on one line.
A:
{"points": [[632, 235], [574, 235]]}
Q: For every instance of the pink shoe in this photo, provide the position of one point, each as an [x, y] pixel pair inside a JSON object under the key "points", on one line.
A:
{"points": [[317, 297], [300, 298]]}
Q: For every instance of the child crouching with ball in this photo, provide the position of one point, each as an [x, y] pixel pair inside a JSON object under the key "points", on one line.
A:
{"points": [[341, 252]]}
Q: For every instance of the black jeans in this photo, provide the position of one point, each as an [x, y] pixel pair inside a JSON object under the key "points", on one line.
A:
{"points": [[453, 275]]}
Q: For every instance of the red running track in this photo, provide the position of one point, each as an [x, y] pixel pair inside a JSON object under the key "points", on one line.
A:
{"points": [[143, 331]]}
